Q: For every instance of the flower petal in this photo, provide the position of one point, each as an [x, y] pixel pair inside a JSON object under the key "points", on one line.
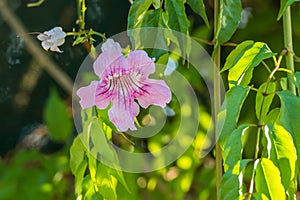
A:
{"points": [[46, 45], [139, 60], [43, 37], [55, 48], [108, 60], [103, 95], [87, 95], [154, 92], [111, 45], [122, 115]]}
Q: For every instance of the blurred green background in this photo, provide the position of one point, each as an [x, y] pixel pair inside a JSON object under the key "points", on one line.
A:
{"points": [[35, 167]]}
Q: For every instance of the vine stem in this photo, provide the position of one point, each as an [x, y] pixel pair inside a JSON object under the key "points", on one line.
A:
{"points": [[217, 102], [288, 43]]}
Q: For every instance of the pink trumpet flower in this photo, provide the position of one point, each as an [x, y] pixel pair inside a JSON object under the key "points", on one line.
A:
{"points": [[122, 80]]}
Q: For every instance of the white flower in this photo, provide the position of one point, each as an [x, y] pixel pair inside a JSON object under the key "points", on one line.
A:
{"points": [[52, 39], [111, 45]]}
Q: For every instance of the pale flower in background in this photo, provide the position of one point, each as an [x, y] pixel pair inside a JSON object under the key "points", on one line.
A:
{"points": [[52, 39], [122, 80]]}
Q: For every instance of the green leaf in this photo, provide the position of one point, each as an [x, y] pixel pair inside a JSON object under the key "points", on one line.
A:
{"points": [[267, 179], [283, 6], [271, 117], [106, 183], [279, 148], [289, 116], [57, 118], [199, 8], [228, 20], [178, 20], [250, 57], [103, 148], [230, 111], [264, 98], [76, 154], [154, 18], [137, 12], [231, 185], [233, 147], [236, 54], [156, 4], [297, 79], [78, 164]]}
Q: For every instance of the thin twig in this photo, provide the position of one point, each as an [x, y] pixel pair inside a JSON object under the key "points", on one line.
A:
{"points": [[212, 43]]}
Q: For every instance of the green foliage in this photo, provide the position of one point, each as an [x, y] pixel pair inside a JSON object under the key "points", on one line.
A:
{"points": [[178, 20], [230, 111], [243, 59], [199, 8], [228, 21], [289, 116], [267, 179], [234, 148], [232, 185], [264, 98], [57, 118], [279, 148], [32, 175], [283, 6]]}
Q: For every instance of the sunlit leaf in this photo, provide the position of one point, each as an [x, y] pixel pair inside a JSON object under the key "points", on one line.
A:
{"points": [[233, 147], [279, 148], [137, 12], [244, 58], [267, 179], [232, 182], [236, 54], [57, 118], [289, 116], [199, 8], [229, 19], [230, 111], [264, 98]]}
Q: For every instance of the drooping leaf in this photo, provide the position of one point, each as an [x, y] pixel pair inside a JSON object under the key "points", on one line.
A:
{"points": [[228, 21], [154, 18], [230, 111], [178, 20], [283, 6], [233, 148], [267, 179], [279, 148], [103, 151], [76, 154], [264, 98], [57, 118], [289, 116], [249, 57], [199, 8], [78, 164], [232, 182]]}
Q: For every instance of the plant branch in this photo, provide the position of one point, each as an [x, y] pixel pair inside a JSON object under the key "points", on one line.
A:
{"points": [[288, 43], [217, 102]]}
